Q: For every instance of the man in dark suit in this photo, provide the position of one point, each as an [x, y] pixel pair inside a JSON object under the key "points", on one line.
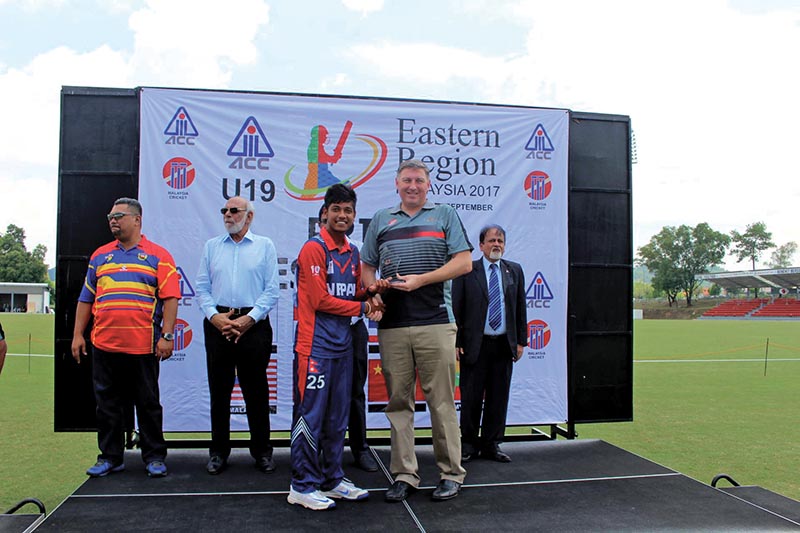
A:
{"points": [[489, 306]]}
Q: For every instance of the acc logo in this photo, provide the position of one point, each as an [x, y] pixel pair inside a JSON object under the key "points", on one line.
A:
{"points": [[187, 291], [349, 163], [538, 334], [538, 185], [250, 147], [181, 129], [538, 293], [183, 335], [539, 145], [178, 173]]}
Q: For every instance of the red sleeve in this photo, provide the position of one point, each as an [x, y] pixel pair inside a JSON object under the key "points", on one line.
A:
{"points": [[167, 274], [312, 287]]}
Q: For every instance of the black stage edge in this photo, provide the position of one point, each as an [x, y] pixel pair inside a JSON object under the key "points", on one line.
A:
{"points": [[567, 485]]}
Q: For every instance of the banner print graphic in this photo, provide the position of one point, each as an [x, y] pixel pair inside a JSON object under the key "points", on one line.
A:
{"points": [[493, 164]]}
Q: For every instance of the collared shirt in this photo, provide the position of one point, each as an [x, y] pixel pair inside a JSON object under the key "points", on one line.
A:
{"points": [[328, 284], [397, 243], [487, 329], [126, 289], [238, 274]]}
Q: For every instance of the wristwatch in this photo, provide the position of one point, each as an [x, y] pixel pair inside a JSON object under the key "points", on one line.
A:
{"points": [[168, 336]]}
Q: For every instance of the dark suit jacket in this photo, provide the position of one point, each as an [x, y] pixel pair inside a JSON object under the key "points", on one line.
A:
{"points": [[471, 303]]}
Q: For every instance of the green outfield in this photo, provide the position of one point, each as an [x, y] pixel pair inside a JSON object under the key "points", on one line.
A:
{"points": [[702, 406]]}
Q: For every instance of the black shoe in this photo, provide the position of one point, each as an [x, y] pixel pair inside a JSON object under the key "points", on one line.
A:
{"points": [[468, 456], [496, 455], [265, 464], [447, 489], [216, 464], [399, 491], [365, 461]]}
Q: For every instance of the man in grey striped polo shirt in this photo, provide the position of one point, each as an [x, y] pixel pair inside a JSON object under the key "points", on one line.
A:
{"points": [[419, 246]]}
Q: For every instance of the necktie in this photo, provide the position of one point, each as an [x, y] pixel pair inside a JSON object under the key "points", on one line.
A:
{"points": [[494, 298]]}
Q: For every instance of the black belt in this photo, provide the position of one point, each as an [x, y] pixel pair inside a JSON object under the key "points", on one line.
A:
{"points": [[495, 337], [237, 311]]}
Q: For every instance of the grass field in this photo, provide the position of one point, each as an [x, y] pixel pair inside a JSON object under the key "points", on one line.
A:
{"points": [[702, 406]]}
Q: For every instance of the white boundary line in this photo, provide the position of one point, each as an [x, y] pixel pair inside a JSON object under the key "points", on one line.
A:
{"points": [[771, 360], [283, 492], [635, 360]]}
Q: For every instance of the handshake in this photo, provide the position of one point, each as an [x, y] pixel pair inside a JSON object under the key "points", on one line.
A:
{"points": [[374, 306]]}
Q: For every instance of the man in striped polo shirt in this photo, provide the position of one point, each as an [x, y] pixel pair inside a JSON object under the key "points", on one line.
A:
{"points": [[132, 292], [420, 246]]}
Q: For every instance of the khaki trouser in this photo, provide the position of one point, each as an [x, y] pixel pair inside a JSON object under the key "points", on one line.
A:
{"points": [[431, 351]]}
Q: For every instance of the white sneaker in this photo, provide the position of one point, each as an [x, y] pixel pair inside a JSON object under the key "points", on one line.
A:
{"points": [[312, 500], [347, 491]]}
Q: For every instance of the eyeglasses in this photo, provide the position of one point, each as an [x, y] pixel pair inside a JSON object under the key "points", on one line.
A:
{"points": [[233, 210], [117, 216]]}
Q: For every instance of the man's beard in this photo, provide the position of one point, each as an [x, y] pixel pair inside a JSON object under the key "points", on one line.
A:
{"points": [[495, 255], [233, 229]]}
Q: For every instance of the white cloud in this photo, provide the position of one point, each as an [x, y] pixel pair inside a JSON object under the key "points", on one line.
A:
{"points": [[29, 105], [434, 65], [363, 6], [192, 44], [187, 43], [710, 92], [339, 80]]}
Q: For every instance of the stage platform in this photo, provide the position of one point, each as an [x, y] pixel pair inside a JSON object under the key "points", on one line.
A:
{"points": [[564, 485]]}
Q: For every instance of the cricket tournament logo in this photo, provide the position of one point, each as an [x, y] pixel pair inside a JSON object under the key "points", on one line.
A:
{"points": [[180, 129], [538, 294], [346, 155], [539, 145], [538, 334]]}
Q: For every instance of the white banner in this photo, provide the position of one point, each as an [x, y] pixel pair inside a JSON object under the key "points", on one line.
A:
{"points": [[494, 164]]}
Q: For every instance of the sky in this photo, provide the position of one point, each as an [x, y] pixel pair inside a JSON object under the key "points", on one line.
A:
{"points": [[711, 86]]}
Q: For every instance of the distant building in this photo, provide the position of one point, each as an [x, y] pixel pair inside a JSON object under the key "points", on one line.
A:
{"points": [[24, 298]]}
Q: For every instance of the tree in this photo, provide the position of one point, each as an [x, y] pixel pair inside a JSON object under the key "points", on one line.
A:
{"points": [[782, 256], [16, 263], [752, 243], [677, 255]]}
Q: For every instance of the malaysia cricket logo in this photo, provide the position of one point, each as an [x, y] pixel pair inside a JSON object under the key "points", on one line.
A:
{"points": [[538, 334], [178, 173], [538, 185], [183, 335]]}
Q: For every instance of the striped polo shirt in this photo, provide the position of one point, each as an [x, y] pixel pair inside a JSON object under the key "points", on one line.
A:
{"points": [[126, 289], [396, 243]]}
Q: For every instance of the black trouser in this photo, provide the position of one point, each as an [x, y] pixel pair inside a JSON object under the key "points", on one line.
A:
{"points": [[488, 382], [248, 359], [357, 423], [116, 375]]}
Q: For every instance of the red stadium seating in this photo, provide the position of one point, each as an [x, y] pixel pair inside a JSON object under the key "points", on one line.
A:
{"points": [[781, 307], [736, 307]]}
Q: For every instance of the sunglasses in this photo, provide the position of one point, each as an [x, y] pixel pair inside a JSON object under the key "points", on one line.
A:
{"points": [[117, 216], [233, 210]]}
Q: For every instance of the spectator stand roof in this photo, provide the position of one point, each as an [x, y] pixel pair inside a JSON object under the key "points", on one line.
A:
{"points": [[780, 278]]}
